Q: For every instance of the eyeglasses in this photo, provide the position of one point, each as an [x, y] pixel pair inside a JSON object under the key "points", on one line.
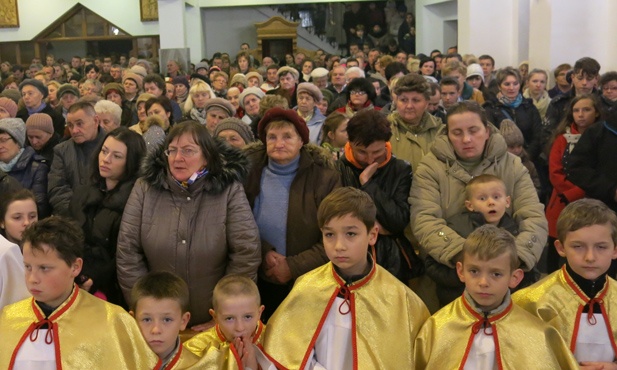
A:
{"points": [[186, 153], [357, 92], [4, 140]]}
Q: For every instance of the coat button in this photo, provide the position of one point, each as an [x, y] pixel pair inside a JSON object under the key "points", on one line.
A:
{"points": [[441, 233], [183, 241], [188, 198]]}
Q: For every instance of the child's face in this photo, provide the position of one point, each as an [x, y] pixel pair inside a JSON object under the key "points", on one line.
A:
{"points": [[160, 321], [589, 250], [237, 316], [346, 242], [48, 277], [490, 200], [516, 150], [488, 281], [19, 214]]}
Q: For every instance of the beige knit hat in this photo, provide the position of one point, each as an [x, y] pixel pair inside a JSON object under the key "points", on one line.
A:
{"points": [[257, 75], [40, 121], [312, 90], [9, 105], [135, 77], [285, 70], [511, 133]]}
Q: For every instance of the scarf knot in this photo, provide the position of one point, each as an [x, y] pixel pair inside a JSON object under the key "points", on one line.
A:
{"points": [[511, 103]]}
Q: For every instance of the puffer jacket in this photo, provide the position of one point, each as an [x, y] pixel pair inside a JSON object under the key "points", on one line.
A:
{"points": [[413, 146], [527, 119], [201, 233], [8, 184], [438, 193], [31, 171], [317, 176]]}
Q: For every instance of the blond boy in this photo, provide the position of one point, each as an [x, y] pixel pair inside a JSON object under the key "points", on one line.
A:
{"points": [[233, 343], [350, 313], [580, 299], [160, 303], [62, 326], [483, 329]]}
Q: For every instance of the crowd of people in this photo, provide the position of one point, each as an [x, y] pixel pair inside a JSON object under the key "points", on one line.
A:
{"points": [[310, 193]]}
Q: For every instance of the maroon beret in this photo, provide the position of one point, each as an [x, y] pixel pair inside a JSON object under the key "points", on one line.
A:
{"points": [[288, 115]]}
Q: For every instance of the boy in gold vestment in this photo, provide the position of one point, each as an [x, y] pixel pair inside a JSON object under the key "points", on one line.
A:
{"points": [[62, 326], [349, 313], [483, 329], [580, 299], [233, 343], [160, 304]]}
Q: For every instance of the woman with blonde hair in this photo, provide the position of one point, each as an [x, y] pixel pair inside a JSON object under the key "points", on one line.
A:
{"points": [[199, 93], [52, 98]]}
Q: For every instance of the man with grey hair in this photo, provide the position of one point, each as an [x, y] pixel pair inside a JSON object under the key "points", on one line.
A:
{"points": [[352, 73]]}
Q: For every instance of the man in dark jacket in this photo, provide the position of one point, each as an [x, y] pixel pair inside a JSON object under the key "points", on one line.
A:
{"points": [[368, 165], [72, 158]]}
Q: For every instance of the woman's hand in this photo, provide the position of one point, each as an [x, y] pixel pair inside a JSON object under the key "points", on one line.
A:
{"points": [[276, 268], [203, 327], [87, 285]]}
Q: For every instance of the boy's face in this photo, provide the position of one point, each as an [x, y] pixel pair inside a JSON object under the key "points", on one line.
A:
{"points": [[237, 316], [589, 250], [490, 200], [160, 321], [488, 281], [346, 242], [48, 277], [516, 149]]}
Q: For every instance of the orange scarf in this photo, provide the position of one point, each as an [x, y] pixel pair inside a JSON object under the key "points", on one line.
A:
{"points": [[349, 155]]}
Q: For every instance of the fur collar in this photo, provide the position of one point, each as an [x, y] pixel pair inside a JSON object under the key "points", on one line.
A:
{"points": [[234, 168]]}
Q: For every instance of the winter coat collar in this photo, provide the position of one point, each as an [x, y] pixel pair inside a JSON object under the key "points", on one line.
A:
{"points": [[309, 153], [234, 168], [444, 151]]}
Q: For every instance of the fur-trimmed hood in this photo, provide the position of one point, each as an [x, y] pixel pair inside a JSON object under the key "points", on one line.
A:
{"points": [[234, 168]]}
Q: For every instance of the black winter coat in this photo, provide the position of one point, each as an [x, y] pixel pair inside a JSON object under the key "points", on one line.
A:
{"points": [[8, 184], [592, 164], [99, 213], [31, 171], [47, 151], [526, 117], [389, 189]]}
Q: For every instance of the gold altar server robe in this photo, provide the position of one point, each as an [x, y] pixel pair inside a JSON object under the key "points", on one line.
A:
{"points": [[215, 351], [386, 317], [559, 302], [521, 340], [88, 333], [184, 359]]}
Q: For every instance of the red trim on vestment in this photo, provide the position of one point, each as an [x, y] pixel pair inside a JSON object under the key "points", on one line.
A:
{"points": [[350, 288], [258, 331], [234, 351], [599, 299], [491, 320], [220, 334], [354, 341], [175, 359], [276, 363], [52, 326]]}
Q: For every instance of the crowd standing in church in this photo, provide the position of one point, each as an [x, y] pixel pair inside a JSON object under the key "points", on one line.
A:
{"points": [[309, 210]]}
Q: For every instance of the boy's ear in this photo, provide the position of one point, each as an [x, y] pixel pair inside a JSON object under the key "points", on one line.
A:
{"points": [[372, 235], [185, 320], [261, 310], [508, 201], [132, 313], [76, 267], [515, 278], [560, 248], [212, 313], [468, 206], [459, 271]]}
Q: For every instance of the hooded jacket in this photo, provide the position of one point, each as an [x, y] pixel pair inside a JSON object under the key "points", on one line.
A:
{"points": [[31, 171], [316, 177], [201, 233], [438, 193]]}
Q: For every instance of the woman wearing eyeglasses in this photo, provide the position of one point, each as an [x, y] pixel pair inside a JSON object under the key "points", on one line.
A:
{"points": [[360, 94], [188, 214]]}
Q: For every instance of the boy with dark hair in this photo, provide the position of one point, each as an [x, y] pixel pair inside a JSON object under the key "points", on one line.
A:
{"points": [[450, 90], [483, 329], [338, 311], [368, 165], [580, 300], [61, 326], [488, 67], [235, 340], [160, 305]]}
